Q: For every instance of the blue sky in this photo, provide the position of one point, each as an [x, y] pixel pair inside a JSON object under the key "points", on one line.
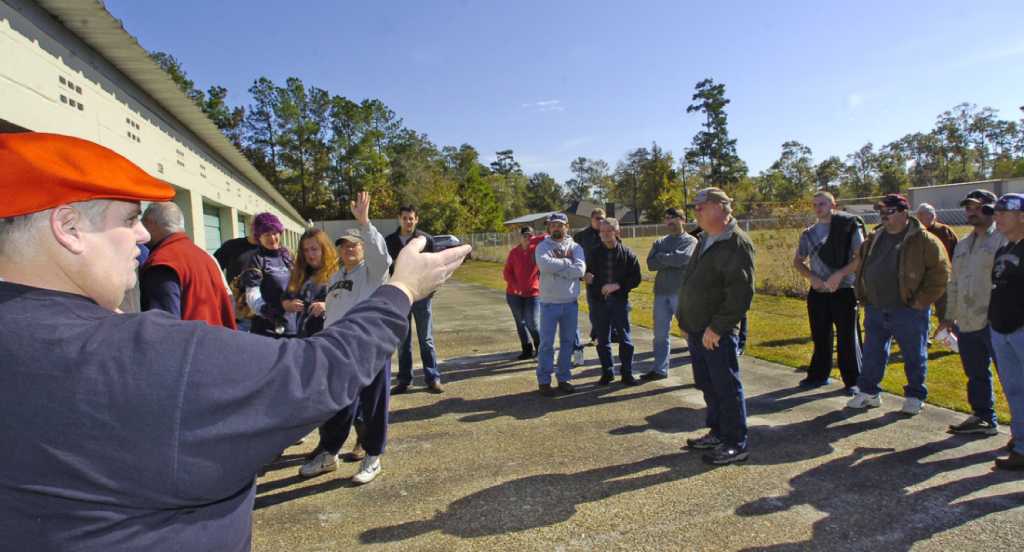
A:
{"points": [[558, 79]]}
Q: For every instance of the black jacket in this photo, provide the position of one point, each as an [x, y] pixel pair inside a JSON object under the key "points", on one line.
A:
{"points": [[395, 245], [625, 272], [718, 285], [589, 239]]}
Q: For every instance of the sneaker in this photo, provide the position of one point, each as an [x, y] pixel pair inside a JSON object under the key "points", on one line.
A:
{"points": [[653, 376], [974, 424], [706, 441], [629, 380], [606, 377], [1013, 462], [863, 400], [566, 388], [577, 357], [546, 390], [356, 454], [808, 383], [851, 391], [368, 471], [320, 464], [726, 454], [435, 387], [400, 388], [912, 406]]}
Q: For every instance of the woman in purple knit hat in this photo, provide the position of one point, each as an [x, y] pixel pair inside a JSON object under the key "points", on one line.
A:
{"points": [[266, 279]]}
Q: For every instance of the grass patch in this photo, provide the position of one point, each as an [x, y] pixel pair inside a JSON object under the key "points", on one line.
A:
{"points": [[779, 333]]}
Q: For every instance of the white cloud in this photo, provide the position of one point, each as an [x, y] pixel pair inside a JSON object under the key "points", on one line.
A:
{"points": [[545, 105]]}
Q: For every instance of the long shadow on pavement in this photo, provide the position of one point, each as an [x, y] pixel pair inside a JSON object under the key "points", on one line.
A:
{"points": [[871, 498], [540, 500]]}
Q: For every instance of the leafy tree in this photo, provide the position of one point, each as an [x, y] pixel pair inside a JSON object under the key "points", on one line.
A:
{"points": [[712, 145], [543, 193], [826, 173], [860, 175]]}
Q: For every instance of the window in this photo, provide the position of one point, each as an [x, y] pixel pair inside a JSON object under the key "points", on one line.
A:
{"points": [[63, 99], [160, 168]]}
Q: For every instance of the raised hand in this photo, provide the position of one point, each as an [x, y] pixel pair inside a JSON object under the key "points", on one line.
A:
{"points": [[361, 208]]}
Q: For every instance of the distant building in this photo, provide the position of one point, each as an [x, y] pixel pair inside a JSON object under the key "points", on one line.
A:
{"points": [[948, 196], [71, 68]]}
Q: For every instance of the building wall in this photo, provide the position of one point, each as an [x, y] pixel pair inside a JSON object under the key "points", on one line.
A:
{"points": [[51, 81], [948, 196]]}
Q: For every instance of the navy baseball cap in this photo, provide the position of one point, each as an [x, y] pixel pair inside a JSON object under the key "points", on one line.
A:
{"points": [[1010, 202], [558, 217]]}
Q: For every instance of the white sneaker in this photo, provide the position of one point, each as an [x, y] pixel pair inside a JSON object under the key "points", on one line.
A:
{"points": [[368, 471], [863, 400], [577, 357], [320, 464], [912, 406]]}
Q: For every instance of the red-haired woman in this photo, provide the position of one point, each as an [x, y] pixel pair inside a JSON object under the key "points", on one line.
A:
{"points": [[307, 289]]}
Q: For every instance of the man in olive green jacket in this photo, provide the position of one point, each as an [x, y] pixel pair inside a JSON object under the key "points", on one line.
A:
{"points": [[716, 292], [903, 271]]}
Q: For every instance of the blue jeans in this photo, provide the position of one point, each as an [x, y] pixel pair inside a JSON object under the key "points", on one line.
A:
{"points": [[526, 315], [664, 310], [910, 328], [976, 356], [1009, 350], [741, 340], [422, 314], [613, 313], [716, 372], [560, 317]]}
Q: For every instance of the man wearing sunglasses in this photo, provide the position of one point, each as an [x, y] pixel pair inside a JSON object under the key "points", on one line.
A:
{"points": [[904, 269]]}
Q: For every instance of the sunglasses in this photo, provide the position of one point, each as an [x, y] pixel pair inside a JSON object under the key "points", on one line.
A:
{"points": [[888, 210]]}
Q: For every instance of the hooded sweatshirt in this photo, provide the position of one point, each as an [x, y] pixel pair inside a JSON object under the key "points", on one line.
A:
{"points": [[347, 289], [561, 265]]}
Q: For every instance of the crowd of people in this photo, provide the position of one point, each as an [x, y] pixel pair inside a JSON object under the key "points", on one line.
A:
{"points": [[897, 273], [238, 355]]}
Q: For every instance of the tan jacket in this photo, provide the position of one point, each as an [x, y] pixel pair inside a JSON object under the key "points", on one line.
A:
{"points": [[971, 286], [923, 266]]}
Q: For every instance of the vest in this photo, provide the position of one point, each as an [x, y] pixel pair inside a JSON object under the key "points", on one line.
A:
{"points": [[203, 296]]}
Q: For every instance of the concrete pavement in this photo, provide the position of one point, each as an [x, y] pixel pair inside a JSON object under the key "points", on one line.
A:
{"points": [[491, 465]]}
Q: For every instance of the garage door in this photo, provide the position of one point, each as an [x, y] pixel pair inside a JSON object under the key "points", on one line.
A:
{"points": [[211, 227]]}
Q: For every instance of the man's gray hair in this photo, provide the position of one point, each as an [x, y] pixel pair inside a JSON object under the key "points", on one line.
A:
{"points": [[613, 222], [18, 234], [926, 207], [165, 215]]}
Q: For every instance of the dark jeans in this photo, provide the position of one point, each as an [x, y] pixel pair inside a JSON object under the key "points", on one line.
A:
{"points": [[976, 356], [371, 407], [838, 310], [526, 314], [612, 314], [421, 313], [716, 372]]}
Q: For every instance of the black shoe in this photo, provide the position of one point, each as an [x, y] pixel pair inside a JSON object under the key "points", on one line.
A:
{"points": [[629, 380], [1013, 462], [400, 388], [726, 454], [546, 390], [976, 425], [566, 388], [653, 376], [706, 441], [1009, 445], [808, 383], [606, 377], [526, 354]]}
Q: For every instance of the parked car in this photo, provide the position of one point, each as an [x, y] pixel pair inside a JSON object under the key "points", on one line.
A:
{"points": [[445, 241]]}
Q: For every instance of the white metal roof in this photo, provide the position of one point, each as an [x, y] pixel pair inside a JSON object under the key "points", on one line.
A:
{"points": [[91, 22]]}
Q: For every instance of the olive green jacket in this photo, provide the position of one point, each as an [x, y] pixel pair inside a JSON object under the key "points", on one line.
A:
{"points": [[718, 284], [923, 266]]}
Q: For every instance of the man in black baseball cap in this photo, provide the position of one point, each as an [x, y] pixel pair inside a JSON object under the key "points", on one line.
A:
{"points": [[966, 313]]}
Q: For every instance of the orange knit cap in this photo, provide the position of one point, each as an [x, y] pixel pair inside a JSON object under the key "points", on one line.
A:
{"points": [[40, 171]]}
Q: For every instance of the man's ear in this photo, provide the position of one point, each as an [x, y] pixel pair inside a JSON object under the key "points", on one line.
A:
{"points": [[67, 225]]}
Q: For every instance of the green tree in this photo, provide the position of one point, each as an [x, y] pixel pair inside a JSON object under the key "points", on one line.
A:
{"points": [[543, 193], [827, 173], [712, 146]]}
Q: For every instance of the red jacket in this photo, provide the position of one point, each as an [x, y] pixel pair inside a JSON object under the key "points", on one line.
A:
{"points": [[521, 273], [203, 295]]}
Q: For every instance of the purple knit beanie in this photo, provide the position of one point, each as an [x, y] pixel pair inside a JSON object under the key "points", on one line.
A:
{"points": [[265, 223]]}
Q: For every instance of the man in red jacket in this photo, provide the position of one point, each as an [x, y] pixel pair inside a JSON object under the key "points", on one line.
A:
{"points": [[523, 289], [179, 277]]}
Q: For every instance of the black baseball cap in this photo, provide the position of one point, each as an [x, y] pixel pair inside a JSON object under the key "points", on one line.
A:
{"points": [[673, 212], [984, 198], [526, 231]]}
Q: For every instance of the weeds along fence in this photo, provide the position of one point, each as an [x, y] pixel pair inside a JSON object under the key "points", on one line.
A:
{"points": [[775, 240]]}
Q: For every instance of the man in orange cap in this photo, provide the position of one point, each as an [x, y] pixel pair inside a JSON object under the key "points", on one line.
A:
{"points": [[141, 431]]}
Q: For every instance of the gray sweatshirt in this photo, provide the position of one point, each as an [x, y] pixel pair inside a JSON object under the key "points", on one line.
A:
{"points": [[561, 266], [669, 257], [365, 278]]}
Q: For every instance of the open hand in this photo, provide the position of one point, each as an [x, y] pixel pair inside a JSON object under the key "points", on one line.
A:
{"points": [[419, 274], [361, 208]]}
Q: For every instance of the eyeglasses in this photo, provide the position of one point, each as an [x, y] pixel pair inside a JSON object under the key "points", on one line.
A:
{"points": [[888, 210]]}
